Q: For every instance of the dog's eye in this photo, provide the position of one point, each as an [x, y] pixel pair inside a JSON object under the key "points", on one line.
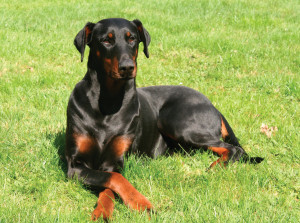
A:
{"points": [[131, 39]]}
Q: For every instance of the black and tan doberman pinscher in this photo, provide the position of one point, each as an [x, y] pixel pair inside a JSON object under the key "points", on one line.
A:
{"points": [[108, 117]]}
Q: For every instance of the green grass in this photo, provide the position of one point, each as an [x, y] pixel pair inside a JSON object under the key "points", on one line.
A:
{"points": [[244, 55]]}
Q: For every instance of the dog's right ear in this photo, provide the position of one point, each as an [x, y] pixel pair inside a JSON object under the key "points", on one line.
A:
{"points": [[84, 37]]}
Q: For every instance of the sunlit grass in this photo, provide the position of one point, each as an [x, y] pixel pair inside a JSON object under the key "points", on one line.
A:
{"points": [[244, 55]]}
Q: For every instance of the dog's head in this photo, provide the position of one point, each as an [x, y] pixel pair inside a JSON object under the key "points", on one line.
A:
{"points": [[114, 45]]}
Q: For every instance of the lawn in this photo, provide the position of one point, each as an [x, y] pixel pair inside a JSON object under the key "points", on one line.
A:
{"points": [[244, 55]]}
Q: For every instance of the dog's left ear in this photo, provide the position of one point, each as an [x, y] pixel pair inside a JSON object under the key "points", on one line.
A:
{"points": [[144, 35], [84, 37]]}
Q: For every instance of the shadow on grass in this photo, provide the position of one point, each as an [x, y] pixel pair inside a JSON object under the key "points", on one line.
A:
{"points": [[59, 142]]}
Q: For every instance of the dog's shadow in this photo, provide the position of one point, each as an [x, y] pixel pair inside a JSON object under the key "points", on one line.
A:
{"points": [[58, 140]]}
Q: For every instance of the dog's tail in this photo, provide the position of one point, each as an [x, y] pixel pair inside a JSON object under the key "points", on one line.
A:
{"points": [[232, 139]]}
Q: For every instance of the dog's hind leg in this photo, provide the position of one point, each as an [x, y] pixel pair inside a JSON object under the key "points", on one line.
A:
{"points": [[200, 125]]}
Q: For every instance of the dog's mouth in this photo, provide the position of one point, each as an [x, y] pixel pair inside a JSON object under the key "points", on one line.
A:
{"points": [[123, 75]]}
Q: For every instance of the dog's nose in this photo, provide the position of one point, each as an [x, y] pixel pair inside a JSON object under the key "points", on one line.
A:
{"points": [[126, 67]]}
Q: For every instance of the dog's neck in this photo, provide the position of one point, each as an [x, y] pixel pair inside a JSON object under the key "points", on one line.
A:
{"points": [[107, 94]]}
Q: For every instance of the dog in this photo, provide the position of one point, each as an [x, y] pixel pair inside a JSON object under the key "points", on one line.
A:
{"points": [[108, 117]]}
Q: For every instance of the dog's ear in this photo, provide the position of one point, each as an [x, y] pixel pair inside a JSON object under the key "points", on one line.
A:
{"points": [[84, 37], [144, 35]]}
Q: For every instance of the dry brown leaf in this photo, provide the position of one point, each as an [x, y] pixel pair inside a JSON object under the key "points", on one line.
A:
{"points": [[268, 131]]}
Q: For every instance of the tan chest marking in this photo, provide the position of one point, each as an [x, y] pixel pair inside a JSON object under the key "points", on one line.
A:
{"points": [[120, 145], [84, 143]]}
